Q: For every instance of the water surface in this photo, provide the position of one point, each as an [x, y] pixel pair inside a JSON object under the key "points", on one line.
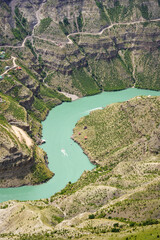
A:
{"points": [[66, 158]]}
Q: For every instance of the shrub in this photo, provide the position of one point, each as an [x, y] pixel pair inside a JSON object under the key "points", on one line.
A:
{"points": [[144, 11], [150, 222], [115, 225], [91, 216], [115, 230], [29, 45], [63, 28], [80, 22], [65, 21]]}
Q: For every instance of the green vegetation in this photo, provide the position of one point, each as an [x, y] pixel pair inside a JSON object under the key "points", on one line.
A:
{"points": [[66, 22], [149, 77], [17, 111], [44, 24], [40, 171], [17, 34], [84, 82], [106, 139], [52, 95], [80, 21], [39, 105], [21, 30], [144, 10], [111, 75], [128, 61], [63, 28], [103, 15], [11, 108], [115, 13], [29, 45]]}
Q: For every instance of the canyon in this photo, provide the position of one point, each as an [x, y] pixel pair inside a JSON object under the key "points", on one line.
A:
{"points": [[51, 51]]}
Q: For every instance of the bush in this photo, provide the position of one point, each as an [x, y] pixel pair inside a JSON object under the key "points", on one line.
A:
{"points": [[150, 222], [102, 12], [63, 28], [59, 88], [115, 225], [80, 22], [29, 45], [65, 21], [115, 230], [17, 34], [132, 224], [144, 11], [91, 216]]}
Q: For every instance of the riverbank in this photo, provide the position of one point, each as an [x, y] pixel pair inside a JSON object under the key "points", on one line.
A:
{"points": [[72, 96], [100, 126], [124, 177], [57, 131]]}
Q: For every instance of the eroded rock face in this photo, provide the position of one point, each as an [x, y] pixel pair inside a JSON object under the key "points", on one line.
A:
{"points": [[128, 47], [28, 8], [15, 159], [15, 162]]}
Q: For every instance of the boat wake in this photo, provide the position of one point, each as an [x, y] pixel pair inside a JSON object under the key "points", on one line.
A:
{"points": [[94, 109], [64, 152]]}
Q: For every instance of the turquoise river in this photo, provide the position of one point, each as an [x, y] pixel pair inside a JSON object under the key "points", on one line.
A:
{"points": [[66, 158]]}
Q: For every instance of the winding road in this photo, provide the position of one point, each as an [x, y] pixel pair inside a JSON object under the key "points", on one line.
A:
{"points": [[107, 28], [74, 34], [14, 66], [60, 44]]}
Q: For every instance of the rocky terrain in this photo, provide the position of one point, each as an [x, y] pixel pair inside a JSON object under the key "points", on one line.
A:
{"points": [[85, 47], [21, 161], [24, 103]]}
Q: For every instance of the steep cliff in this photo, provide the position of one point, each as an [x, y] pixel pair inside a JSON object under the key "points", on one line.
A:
{"points": [[20, 158], [86, 47]]}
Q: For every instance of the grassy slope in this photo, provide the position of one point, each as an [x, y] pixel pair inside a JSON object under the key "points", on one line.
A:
{"points": [[118, 126]]}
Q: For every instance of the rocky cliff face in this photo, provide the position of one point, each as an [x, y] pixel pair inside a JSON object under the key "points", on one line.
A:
{"points": [[15, 156], [20, 158], [95, 37]]}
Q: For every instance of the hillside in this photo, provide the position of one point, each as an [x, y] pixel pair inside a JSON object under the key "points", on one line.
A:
{"points": [[85, 47], [24, 103], [119, 199]]}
